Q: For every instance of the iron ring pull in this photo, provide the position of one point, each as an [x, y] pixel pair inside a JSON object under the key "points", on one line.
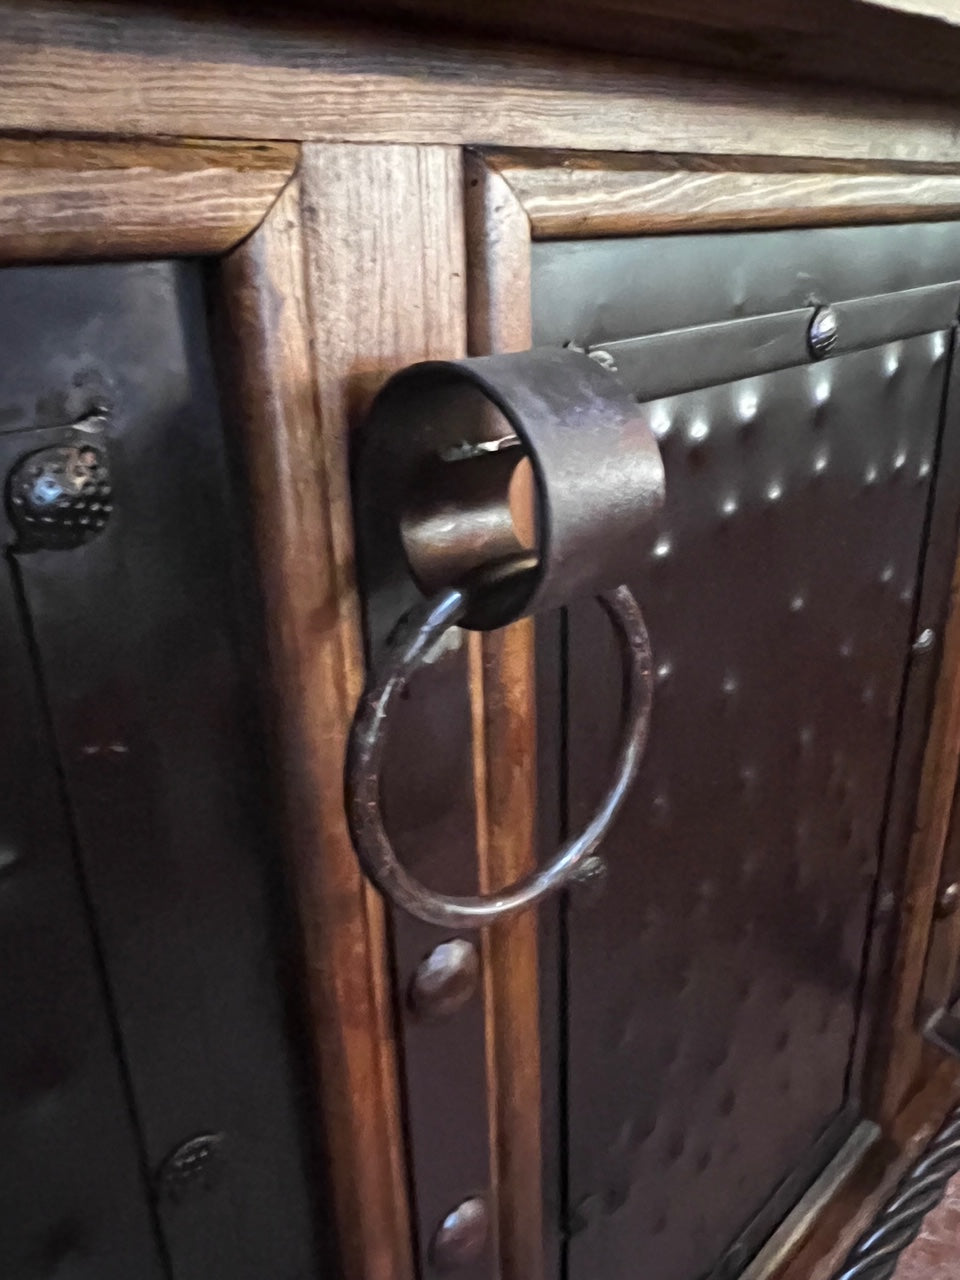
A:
{"points": [[415, 638]]}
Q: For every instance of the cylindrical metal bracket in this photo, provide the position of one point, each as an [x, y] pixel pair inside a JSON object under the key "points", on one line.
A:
{"points": [[465, 463], [499, 486]]}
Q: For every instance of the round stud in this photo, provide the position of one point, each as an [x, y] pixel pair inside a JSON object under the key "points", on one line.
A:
{"points": [[822, 334], [193, 1168], [445, 980], [59, 498], [924, 641], [462, 1236], [948, 900]]}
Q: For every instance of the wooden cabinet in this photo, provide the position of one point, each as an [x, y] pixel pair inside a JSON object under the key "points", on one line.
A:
{"points": [[365, 198]]}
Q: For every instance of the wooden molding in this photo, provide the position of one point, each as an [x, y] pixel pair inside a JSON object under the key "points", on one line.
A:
{"points": [[617, 195], [296, 304], [68, 68], [897, 1060], [820, 1254], [67, 199], [503, 697]]}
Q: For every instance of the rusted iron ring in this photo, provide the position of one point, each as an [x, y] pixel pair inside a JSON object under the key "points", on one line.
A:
{"points": [[414, 639]]}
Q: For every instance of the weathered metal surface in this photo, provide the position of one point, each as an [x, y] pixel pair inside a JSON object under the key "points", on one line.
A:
{"points": [[712, 989]]}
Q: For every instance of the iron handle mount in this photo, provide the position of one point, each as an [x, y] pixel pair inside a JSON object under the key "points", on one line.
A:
{"points": [[434, 479], [416, 637]]}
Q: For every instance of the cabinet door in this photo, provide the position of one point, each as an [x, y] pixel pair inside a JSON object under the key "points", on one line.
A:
{"points": [[716, 989], [127, 550]]}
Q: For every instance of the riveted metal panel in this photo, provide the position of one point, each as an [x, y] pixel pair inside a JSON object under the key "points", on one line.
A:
{"points": [[713, 988], [143, 641], [596, 291]]}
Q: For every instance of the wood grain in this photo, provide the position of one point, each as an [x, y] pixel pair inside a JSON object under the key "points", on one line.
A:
{"points": [[314, 306], [503, 699], [68, 199], [567, 196], [73, 69], [895, 1062], [890, 43]]}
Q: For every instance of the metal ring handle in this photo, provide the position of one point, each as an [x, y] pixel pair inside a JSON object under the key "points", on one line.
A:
{"points": [[413, 641]]}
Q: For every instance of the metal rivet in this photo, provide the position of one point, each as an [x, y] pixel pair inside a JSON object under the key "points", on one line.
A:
{"points": [[948, 900], [747, 405], [728, 507], [660, 423], [698, 431], [49, 493], [604, 359], [822, 334], [924, 469], [193, 1167], [886, 573], [775, 491], [924, 641], [870, 475], [729, 683], [820, 463], [661, 548], [899, 460], [445, 980], [797, 604], [664, 671], [891, 359], [589, 880], [885, 904], [821, 390], [461, 1238]]}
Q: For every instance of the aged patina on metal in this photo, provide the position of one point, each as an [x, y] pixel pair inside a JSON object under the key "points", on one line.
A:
{"points": [[416, 638], [439, 460]]}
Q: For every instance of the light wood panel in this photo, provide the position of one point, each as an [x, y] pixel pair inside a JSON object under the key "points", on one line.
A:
{"points": [[62, 199], [357, 271], [67, 68], [578, 196], [503, 698]]}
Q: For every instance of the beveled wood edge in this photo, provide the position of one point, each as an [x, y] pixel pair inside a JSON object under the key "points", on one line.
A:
{"points": [[65, 199], [72, 69], [898, 1055], [317, 672], [504, 725], [843, 1219], [582, 195]]}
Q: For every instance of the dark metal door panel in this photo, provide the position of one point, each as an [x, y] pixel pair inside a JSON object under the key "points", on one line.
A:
{"points": [[713, 989], [779, 585], [144, 637], [73, 1196]]}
